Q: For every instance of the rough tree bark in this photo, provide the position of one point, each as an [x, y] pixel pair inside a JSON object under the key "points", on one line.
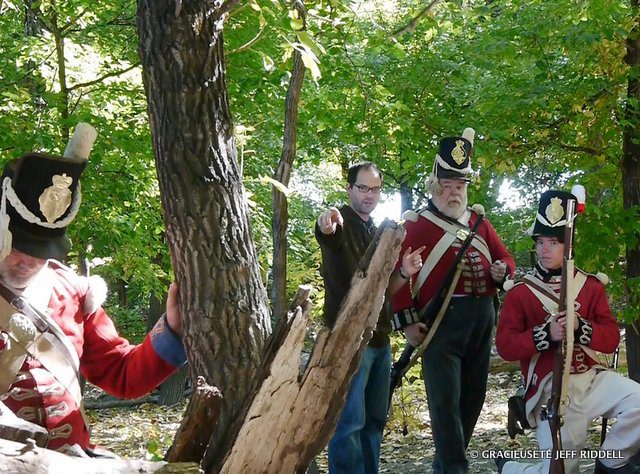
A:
{"points": [[202, 413], [222, 297], [280, 218], [631, 181], [292, 417]]}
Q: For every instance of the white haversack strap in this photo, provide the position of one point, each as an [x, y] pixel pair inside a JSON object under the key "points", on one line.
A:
{"points": [[49, 350]]}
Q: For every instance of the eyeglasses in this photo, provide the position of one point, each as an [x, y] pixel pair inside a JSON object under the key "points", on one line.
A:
{"points": [[364, 189]]}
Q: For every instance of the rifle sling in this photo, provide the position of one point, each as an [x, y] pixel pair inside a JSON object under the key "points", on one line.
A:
{"points": [[436, 322]]}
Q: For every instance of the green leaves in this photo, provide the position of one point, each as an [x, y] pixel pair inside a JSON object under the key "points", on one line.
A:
{"points": [[310, 60], [295, 21], [543, 84], [310, 42]]}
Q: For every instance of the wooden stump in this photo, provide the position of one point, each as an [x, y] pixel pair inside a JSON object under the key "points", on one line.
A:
{"points": [[19, 430], [197, 425], [293, 416]]}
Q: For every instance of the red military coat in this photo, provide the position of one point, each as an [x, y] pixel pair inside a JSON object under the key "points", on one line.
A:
{"points": [[106, 360], [475, 279], [522, 330]]}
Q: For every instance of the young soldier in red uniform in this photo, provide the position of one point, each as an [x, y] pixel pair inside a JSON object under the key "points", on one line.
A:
{"points": [[529, 330], [42, 356], [455, 364]]}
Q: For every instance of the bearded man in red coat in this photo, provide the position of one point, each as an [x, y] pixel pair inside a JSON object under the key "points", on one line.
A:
{"points": [[455, 363], [52, 325]]}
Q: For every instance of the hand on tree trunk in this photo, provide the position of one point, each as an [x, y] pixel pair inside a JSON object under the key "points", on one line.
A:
{"points": [[174, 319]]}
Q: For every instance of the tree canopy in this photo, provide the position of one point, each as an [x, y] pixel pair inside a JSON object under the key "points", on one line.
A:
{"points": [[544, 84]]}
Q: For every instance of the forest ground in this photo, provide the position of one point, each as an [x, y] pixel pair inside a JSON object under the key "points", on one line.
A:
{"points": [[145, 431]]}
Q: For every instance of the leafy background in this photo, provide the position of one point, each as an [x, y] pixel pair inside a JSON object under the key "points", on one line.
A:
{"points": [[542, 82]]}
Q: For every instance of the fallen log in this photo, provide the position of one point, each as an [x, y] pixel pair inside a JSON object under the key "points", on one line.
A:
{"points": [[19, 458], [19, 430], [107, 401]]}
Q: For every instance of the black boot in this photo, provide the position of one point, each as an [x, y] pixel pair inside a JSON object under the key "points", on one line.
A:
{"points": [[517, 416]]}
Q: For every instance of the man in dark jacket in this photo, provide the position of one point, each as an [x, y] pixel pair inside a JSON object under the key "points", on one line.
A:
{"points": [[344, 234]]}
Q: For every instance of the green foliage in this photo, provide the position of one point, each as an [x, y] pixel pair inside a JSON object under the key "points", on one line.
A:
{"points": [[130, 322], [120, 221], [408, 399], [157, 447], [542, 82]]}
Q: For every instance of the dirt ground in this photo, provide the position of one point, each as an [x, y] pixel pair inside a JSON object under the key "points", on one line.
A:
{"points": [[146, 431]]}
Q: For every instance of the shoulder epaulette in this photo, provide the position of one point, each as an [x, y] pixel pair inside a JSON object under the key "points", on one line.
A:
{"points": [[93, 288], [478, 209], [602, 277], [509, 284], [410, 215]]}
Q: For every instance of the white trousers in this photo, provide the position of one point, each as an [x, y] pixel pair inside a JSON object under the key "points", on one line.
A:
{"points": [[591, 395]]}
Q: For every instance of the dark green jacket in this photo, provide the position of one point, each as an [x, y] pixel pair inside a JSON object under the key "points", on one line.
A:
{"points": [[341, 252]]}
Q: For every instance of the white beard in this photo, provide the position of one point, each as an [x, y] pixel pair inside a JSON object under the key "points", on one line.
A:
{"points": [[450, 211]]}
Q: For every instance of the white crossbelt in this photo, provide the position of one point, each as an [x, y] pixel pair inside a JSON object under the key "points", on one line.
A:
{"points": [[449, 237], [51, 346]]}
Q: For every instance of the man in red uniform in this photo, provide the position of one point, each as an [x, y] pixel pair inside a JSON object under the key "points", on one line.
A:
{"points": [[529, 330], [455, 364], [42, 356]]}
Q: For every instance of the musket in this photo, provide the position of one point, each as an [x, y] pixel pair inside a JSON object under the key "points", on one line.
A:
{"points": [[429, 312], [563, 355]]}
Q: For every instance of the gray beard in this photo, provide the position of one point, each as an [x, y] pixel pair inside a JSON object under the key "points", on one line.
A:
{"points": [[453, 213]]}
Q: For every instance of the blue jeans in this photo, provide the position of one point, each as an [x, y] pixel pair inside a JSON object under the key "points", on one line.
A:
{"points": [[355, 446]]}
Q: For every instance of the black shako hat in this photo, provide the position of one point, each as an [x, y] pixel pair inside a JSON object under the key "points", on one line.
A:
{"points": [[40, 197], [551, 217], [453, 160]]}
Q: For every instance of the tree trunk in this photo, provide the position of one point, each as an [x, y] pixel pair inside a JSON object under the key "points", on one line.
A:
{"points": [[280, 218], [631, 183], [406, 196], [172, 390], [222, 298], [33, 81], [121, 286], [63, 103], [32, 24]]}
